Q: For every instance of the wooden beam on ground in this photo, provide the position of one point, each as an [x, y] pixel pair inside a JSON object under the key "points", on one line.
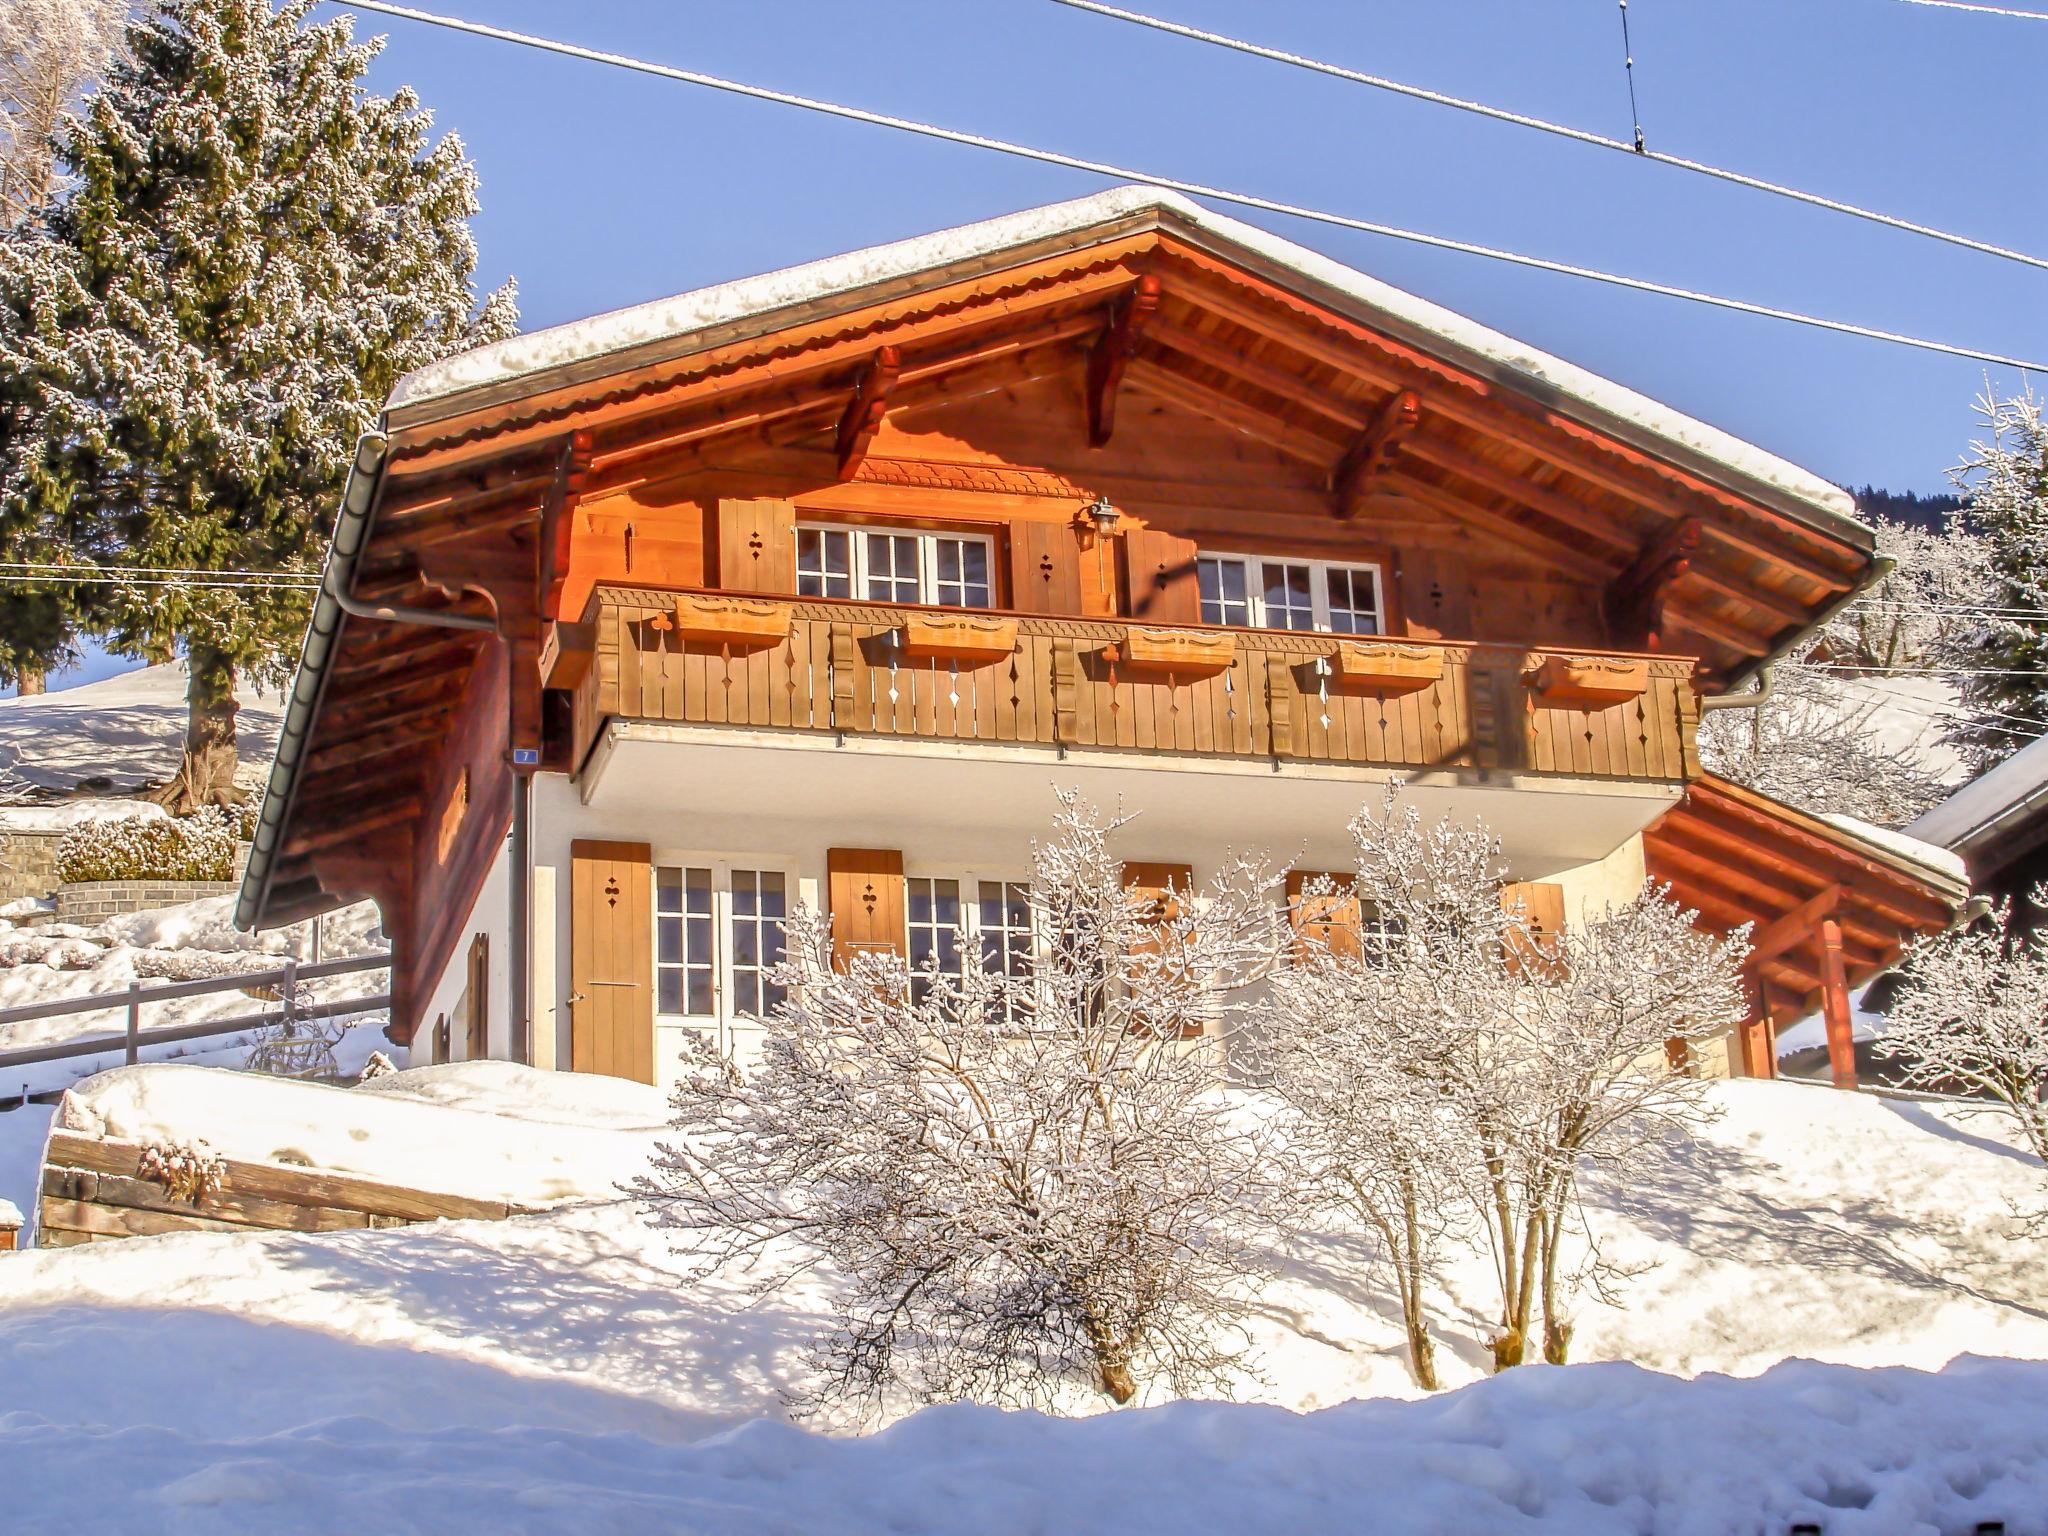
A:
{"points": [[1111, 356], [1374, 449], [862, 417]]}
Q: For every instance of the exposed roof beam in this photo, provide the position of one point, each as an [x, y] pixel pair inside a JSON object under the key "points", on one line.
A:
{"points": [[862, 417], [1634, 602], [557, 516], [1392, 426], [1797, 927], [1535, 540], [1226, 408], [1112, 354]]}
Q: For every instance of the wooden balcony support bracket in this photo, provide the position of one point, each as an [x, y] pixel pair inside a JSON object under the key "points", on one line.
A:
{"points": [[1634, 601], [1112, 354], [862, 417], [1374, 449], [1799, 926], [557, 518]]}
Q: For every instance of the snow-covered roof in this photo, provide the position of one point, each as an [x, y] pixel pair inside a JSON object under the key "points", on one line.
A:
{"points": [[1902, 845], [666, 329], [1989, 804]]}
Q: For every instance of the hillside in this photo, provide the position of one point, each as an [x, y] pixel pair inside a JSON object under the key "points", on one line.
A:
{"points": [[556, 1370], [119, 734]]}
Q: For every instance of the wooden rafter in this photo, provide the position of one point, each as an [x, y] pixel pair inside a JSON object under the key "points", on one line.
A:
{"points": [[1535, 540], [1634, 600], [1228, 409], [1373, 450], [862, 417], [557, 517], [1112, 354], [1798, 927]]}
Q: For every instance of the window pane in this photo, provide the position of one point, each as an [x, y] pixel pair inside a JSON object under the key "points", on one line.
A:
{"points": [[682, 941], [668, 991], [1225, 598], [1288, 594], [891, 567], [824, 563], [932, 910], [668, 890], [756, 940], [960, 573], [1354, 608]]}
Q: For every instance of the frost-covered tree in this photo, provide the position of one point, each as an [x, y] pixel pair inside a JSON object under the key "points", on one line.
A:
{"points": [[1815, 744], [1365, 1038], [2004, 479], [251, 251], [1972, 1012], [50, 50], [1925, 609], [1019, 1181]]}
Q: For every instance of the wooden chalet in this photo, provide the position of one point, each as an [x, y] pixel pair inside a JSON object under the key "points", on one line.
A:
{"points": [[807, 586]]}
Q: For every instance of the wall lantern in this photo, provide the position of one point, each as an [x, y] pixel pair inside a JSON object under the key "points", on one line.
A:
{"points": [[1099, 517]]}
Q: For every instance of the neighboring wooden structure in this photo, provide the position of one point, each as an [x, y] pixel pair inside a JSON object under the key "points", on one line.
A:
{"points": [[94, 1190], [1542, 572], [1831, 908]]}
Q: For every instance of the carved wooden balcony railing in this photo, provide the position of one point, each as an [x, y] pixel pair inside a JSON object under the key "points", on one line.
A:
{"points": [[871, 669]]}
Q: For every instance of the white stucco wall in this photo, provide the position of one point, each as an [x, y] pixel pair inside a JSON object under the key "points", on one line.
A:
{"points": [[490, 915]]}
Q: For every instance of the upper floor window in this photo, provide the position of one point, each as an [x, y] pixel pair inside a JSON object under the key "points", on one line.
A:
{"points": [[1260, 593], [881, 565]]}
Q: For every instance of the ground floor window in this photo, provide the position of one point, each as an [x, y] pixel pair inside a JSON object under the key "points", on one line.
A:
{"points": [[719, 931], [949, 918]]}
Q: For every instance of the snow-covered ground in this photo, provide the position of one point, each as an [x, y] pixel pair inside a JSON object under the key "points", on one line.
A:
{"points": [[187, 942], [556, 1372], [120, 733]]}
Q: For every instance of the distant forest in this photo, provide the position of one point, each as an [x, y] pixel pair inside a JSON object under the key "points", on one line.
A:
{"points": [[1929, 512]]}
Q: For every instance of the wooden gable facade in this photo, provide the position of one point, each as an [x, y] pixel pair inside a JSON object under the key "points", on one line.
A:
{"points": [[1199, 395]]}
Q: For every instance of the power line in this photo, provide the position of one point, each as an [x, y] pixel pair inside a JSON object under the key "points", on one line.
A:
{"points": [[1543, 125], [1189, 188], [1628, 69], [77, 567]]}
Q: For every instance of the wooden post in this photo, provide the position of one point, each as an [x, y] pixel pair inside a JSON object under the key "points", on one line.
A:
{"points": [[1834, 1003], [10, 1228], [134, 1022]]}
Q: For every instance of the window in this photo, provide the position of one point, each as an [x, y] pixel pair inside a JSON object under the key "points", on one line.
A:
{"points": [[992, 917], [1003, 924], [881, 565], [932, 924], [1258, 593], [717, 930]]}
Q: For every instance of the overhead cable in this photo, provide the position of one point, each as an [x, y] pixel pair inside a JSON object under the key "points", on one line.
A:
{"points": [[1579, 135], [1175, 184]]}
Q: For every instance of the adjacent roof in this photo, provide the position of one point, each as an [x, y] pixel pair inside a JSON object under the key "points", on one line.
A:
{"points": [[1997, 807], [666, 329]]}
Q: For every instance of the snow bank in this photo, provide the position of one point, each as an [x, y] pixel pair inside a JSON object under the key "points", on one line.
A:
{"points": [[658, 326], [490, 1130], [68, 814], [126, 730]]}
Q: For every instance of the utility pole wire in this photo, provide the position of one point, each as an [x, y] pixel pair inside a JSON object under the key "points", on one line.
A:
{"points": [[1986, 10], [1189, 188], [1578, 135]]}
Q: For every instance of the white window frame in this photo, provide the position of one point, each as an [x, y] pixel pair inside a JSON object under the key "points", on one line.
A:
{"points": [[1318, 587], [927, 558], [723, 1018], [970, 882]]}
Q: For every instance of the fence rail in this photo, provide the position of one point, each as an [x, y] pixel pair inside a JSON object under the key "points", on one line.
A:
{"points": [[130, 1041]]}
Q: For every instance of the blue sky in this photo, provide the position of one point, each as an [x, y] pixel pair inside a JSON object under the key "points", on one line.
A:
{"points": [[602, 188]]}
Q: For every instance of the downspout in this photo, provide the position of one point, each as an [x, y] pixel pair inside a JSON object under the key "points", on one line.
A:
{"points": [[369, 461], [1881, 566]]}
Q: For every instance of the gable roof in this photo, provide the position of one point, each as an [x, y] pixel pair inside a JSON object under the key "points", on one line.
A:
{"points": [[665, 330]]}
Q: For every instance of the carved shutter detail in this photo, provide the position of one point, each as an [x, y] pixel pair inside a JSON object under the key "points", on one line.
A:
{"points": [[757, 546], [611, 965], [864, 890], [1160, 568]]}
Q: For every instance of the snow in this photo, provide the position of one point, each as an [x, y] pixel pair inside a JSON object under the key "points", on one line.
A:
{"points": [[663, 326], [127, 730], [64, 816], [557, 1369], [188, 941], [1900, 845], [10, 1214], [469, 1128]]}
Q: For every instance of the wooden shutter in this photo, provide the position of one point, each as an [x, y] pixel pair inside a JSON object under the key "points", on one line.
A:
{"points": [[864, 890], [479, 997], [1163, 887], [1045, 568], [611, 964], [1543, 910], [757, 546], [1328, 921], [1160, 570]]}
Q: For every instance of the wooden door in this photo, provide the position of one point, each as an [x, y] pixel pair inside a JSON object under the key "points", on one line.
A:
{"points": [[864, 890], [611, 964], [757, 545], [1160, 570]]}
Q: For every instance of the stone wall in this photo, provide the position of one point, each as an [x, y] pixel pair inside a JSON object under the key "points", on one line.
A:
{"points": [[88, 901], [28, 864]]}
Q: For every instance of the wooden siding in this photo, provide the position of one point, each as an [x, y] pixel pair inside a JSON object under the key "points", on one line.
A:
{"points": [[838, 671]]}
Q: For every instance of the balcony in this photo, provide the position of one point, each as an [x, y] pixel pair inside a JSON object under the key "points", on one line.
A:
{"points": [[846, 671]]}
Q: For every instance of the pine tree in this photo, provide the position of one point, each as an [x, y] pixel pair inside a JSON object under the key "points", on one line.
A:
{"points": [[250, 253], [2005, 479]]}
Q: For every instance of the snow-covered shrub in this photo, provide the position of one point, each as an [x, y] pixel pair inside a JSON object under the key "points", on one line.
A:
{"points": [[1972, 1013], [187, 1171], [196, 847], [1023, 1181]]}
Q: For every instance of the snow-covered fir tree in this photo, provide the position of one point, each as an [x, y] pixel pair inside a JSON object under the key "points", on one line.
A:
{"points": [[251, 251], [1023, 1181], [2004, 661]]}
